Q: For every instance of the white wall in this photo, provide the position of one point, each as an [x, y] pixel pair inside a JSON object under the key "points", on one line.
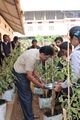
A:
{"points": [[60, 27]]}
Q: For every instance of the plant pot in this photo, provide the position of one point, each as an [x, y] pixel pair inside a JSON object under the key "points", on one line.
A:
{"points": [[44, 102], [2, 109], [8, 95], [57, 116], [38, 91]]}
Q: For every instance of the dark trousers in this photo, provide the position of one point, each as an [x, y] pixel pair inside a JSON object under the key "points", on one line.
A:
{"points": [[25, 94]]}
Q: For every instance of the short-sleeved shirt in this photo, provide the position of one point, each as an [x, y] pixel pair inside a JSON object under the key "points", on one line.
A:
{"points": [[26, 61]]}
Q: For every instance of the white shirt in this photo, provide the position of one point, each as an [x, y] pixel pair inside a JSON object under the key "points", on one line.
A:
{"points": [[26, 61], [75, 66], [75, 63]]}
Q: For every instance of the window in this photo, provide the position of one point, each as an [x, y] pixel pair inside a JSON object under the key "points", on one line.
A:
{"points": [[30, 28], [51, 27], [40, 28], [29, 15], [50, 15], [39, 22], [51, 21], [29, 22], [59, 14], [39, 15]]}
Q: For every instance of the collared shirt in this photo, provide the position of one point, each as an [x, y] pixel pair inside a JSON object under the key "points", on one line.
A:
{"points": [[75, 63], [26, 61]]}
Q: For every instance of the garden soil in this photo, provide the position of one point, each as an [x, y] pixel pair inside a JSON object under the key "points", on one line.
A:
{"points": [[38, 113]]}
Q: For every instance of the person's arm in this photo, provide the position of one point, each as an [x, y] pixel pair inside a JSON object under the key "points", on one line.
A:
{"points": [[75, 66], [61, 85], [34, 80], [36, 74], [64, 84]]}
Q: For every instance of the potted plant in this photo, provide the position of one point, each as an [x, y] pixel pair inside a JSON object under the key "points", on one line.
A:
{"points": [[2, 103], [58, 75], [38, 67], [44, 73], [9, 89], [73, 110], [6, 77], [55, 110], [2, 109]]}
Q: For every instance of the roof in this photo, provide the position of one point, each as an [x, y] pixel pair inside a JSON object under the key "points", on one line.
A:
{"points": [[11, 12]]}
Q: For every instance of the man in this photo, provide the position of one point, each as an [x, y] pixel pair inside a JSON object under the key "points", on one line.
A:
{"points": [[34, 45], [1, 53], [74, 34], [7, 46], [15, 42], [24, 72], [58, 41], [64, 50]]}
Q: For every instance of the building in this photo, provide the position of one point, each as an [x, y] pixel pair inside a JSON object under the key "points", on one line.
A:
{"points": [[50, 22]]}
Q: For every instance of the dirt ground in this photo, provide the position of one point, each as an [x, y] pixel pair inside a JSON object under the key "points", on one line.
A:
{"points": [[18, 115], [37, 111], [15, 111]]}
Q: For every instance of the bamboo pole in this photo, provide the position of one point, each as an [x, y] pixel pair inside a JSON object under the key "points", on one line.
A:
{"points": [[68, 83], [53, 94], [64, 114], [53, 102]]}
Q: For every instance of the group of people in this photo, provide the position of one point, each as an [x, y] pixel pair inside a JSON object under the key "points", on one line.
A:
{"points": [[6, 46], [24, 68], [74, 55]]}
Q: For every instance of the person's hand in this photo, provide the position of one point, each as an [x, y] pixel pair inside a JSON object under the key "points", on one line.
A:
{"points": [[42, 81], [42, 85], [57, 88], [59, 81]]}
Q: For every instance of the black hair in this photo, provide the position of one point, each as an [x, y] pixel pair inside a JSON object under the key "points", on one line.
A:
{"points": [[64, 45], [59, 38], [5, 35], [74, 31], [47, 50], [34, 40], [60, 54], [15, 39]]}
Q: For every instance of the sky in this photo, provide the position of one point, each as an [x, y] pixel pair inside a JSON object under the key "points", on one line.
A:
{"points": [[29, 5]]}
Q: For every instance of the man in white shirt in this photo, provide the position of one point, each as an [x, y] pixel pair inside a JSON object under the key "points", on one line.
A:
{"points": [[24, 72], [75, 63], [74, 34]]}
